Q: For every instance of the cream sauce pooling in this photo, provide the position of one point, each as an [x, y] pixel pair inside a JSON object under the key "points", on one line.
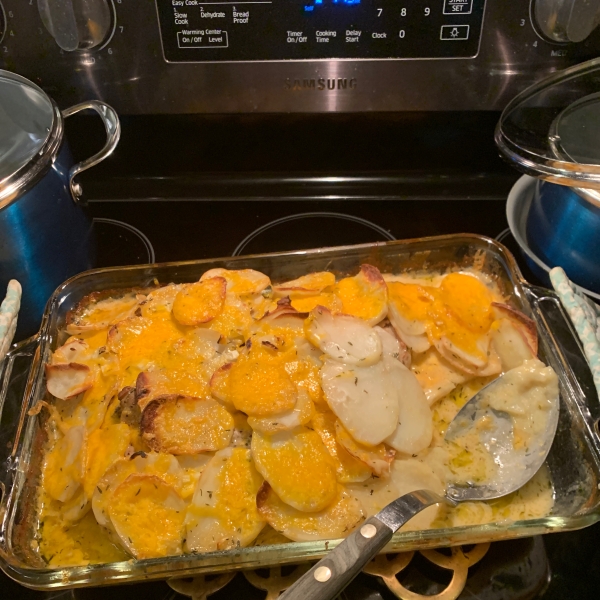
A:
{"points": [[494, 449]]}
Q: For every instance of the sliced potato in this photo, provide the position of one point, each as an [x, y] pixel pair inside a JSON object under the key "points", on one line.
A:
{"points": [[338, 520], [365, 295], [406, 476], [377, 458], [260, 387], [159, 303], [307, 285], [301, 414], [95, 313], [187, 379], [435, 375], [409, 306], [177, 424], [150, 385], [74, 350], [326, 299], [219, 386], [105, 446], [200, 302], [284, 315], [147, 514], [510, 344], [298, 467], [414, 429], [522, 323], [223, 512], [242, 432], [348, 468], [392, 346], [67, 380], [164, 466], [64, 465], [344, 338], [242, 282], [365, 399]]}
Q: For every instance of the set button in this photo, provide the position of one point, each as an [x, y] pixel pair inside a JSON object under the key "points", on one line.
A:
{"points": [[458, 7]]}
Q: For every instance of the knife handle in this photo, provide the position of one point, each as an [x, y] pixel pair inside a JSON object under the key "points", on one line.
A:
{"points": [[334, 572]]}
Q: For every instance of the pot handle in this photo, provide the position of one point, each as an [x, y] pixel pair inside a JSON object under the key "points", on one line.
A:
{"points": [[113, 133], [561, 340]]}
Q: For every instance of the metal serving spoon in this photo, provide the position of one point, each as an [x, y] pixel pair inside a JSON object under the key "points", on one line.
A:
{"points": [[515, 468]]}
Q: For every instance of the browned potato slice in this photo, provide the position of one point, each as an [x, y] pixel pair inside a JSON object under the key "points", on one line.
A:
{"points": [[377, 458], [66, 380], [147, 514], [184, 425], [200, 302], [150, 385], [338, 520]]}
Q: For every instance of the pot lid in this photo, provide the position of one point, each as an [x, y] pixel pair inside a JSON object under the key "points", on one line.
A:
{"points": [[552, 129], [27, 125]]}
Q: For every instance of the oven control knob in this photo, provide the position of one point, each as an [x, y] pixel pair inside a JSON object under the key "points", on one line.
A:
{"points": [[566, 20], [77, 24], [2, 22]]}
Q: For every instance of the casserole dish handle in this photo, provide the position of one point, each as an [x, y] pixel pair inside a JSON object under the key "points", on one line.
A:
{"points": [[113, 133], [14, 402], [560, 340]]}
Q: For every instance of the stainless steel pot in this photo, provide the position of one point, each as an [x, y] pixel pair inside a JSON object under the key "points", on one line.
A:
{"points": [[45, 234]]}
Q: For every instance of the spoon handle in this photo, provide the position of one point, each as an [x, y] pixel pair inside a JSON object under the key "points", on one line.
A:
{"points": [[334, 572]]}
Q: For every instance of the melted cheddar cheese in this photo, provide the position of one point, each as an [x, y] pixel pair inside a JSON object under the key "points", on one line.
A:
{"points": [[207, 416]]}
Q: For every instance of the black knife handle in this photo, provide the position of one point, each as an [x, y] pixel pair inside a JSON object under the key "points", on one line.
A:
{"points": [[334, 572]]}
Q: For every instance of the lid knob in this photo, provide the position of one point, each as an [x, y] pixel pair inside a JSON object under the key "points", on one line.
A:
{"points": [[77, 24], [566, 20]]}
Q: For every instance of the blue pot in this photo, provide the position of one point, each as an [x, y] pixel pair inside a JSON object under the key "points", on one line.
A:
{"points": [[46, 235], [563, 229]]}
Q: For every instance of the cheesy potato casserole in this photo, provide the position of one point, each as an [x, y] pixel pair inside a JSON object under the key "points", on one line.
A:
{"points": [[235, 411]]}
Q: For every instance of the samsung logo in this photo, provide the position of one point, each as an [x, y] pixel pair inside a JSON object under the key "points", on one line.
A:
{"points": [[321, 84]]}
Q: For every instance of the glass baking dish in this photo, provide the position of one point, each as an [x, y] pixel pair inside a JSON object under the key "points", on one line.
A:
{"points": [[573, 463]]}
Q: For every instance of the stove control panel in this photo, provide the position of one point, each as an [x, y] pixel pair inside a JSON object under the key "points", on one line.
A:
{"points": [[258, 30]]}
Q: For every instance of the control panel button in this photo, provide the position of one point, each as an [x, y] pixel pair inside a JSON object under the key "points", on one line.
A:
{"points": [[458, 7], [202, 38], [454, 32]]}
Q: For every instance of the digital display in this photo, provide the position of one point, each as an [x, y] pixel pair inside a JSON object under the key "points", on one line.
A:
{"points": [[311, 7], [193, 31]]}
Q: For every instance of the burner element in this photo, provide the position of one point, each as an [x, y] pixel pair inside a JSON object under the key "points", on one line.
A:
{"points": [[311, 230], [121, 244]]}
